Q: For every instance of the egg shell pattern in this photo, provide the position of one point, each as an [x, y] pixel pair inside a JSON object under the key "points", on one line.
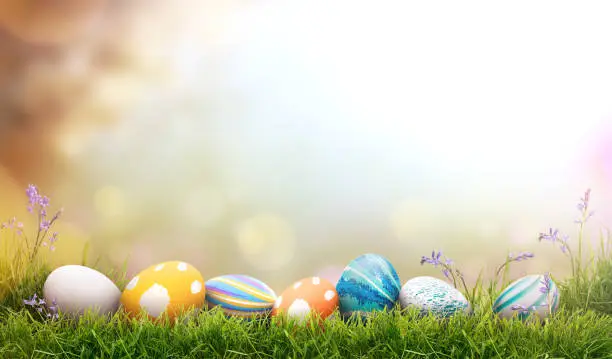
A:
{"points": [[169, 287], [433, 295], [306, 297], [77, 289], [239, 295], [527, 292], [368, 283]]}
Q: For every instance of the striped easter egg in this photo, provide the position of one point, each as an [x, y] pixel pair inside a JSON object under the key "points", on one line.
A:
{"points": [[239, 295], [532, 294], [368, 283]]}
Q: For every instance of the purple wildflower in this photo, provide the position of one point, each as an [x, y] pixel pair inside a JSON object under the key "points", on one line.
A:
{"points": [[39, 304], [520, 257], [545, 289], [552, 235], [446, 264], [555, 236], [33, 197], [44, 225], [52, 240], [583, 207], [32, 301], [12, 224], [584, 201], [452, 274], [446, 273], [435, 259], [41, 203]]}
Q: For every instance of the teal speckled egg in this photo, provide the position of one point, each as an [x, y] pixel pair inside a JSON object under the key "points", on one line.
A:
{"points": [[368, 283], [239, 295], [533, 294], [433, 295]]}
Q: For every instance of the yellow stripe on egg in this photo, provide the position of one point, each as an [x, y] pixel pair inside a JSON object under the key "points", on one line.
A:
{"points": [[228, 299], [247, 288]]}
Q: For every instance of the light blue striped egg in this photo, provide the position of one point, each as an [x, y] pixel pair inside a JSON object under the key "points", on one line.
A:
{"points": [[239, 295], [368, 283], [530, 293]]}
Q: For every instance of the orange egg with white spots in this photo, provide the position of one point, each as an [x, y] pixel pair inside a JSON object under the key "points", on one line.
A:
{"points": [[307, 297], [168, 287]]}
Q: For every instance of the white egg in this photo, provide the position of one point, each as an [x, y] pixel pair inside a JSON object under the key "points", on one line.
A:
{"points": [[77, 289], [430, 294]]}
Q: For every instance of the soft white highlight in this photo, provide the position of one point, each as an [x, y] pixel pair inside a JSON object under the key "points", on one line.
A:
{"points": [[196, 287], [299, 309], [132, 284], [155, 300]]}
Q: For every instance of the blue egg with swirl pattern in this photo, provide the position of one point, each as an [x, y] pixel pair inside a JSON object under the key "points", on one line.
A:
{"points": [[368, 283]]}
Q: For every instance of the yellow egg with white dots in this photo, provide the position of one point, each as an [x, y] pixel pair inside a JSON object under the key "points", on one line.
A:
{"points": [[169, 287]]}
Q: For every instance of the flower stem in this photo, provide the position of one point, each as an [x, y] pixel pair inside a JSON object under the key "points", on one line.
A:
{"points": [[467, 292], [579, 259], [499, 269], [585, 216]]}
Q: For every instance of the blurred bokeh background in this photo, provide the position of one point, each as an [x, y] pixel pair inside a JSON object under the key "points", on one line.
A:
{"points": [[281, 139]]}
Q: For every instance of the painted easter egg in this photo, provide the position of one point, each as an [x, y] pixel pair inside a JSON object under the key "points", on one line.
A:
{"points": [[532, 294], [429, 294], [169, 287], [368, 283], [239, 295], [307, 297], [77, 289]]}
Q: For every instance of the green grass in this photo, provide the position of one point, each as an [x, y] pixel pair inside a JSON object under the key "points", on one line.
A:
{"points": [[582, 328], [573, 332], [387, 335]]}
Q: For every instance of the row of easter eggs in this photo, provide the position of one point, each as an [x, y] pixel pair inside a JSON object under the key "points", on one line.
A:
{"points": [[368, 283]]}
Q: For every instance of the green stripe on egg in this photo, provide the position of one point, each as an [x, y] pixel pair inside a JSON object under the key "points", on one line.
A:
{"points": [[518, 294], [510, 288], [526, 292]]}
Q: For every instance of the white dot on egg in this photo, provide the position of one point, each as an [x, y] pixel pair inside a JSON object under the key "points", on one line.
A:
{"points": [[296, 285], [132, 283], [329, 295], [278, 301], [196, 287], [159, 267], [299, 309], [316, 280], [182, 266], [155, 300]]}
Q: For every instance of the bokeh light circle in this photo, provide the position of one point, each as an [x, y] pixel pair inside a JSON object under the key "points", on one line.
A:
{"points": [[109, 201], [266, 241]]}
